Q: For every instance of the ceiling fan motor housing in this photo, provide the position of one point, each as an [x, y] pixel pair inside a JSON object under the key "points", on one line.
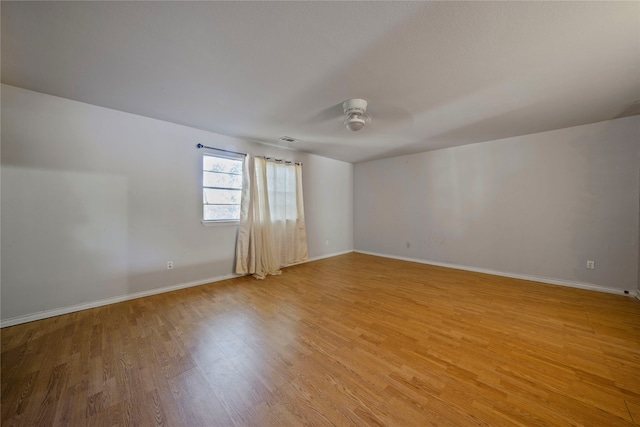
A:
{"points": [[354, 106], [355, 110]]}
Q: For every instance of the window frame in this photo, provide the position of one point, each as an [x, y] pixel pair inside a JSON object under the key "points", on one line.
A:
{"points": [[229, 156]]}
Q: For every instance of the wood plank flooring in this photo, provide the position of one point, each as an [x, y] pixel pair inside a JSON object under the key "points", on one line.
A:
{"points": [[353, 340]]}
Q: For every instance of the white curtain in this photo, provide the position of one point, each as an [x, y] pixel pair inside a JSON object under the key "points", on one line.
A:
{"points": [[272, 232]]}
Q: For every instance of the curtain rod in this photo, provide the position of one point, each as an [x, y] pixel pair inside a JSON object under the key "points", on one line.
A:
{"points": [[220, 149], [280, 160]]}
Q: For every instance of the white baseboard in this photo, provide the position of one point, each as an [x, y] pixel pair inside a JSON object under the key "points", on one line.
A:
{"points": [[547, 280], [316, 258], [92, 304], [79, 307], [329, 255]]}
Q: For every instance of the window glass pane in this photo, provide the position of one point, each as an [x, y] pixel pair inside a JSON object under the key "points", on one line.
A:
{"points": [[221, 197], [221, 212], [214, 179], [222, 188], [220, 164]]}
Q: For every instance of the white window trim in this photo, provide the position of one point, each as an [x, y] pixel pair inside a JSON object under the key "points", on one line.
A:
{"points": [[220, 223]]}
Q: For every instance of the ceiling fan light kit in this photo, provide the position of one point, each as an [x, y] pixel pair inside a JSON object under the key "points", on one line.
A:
{"points": [[355, 110], [354, 123]]}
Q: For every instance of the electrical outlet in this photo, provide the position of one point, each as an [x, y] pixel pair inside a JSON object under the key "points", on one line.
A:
{"points": [[591, 265], [169, 265], [408, 245], [326, 242]]}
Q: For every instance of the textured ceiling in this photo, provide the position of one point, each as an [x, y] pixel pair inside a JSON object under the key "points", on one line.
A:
{"points": [[435, 74]]}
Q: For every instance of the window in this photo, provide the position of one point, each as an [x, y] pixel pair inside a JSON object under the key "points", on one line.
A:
{"points": [[221, 187]]}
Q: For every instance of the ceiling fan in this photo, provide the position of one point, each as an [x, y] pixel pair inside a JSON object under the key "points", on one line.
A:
{"points": [[355, 109], [354, 114]]}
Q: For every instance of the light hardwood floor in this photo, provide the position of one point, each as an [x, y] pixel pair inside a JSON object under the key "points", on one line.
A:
{"points": [[351, 340]]}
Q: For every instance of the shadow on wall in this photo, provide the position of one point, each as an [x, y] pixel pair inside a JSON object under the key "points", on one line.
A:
{"points": [[63, 233], [66, 241], [604, 231]]}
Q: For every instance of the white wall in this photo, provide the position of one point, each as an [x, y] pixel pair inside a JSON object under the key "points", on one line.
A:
{"points": [[96, 201], [538, 205]]}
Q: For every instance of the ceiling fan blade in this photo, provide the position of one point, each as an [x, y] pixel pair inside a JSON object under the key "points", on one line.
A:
{"points": [[390, 117], [328, 114]]}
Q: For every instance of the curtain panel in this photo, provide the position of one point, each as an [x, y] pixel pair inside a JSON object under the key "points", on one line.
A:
{"points": [[272, 232]]}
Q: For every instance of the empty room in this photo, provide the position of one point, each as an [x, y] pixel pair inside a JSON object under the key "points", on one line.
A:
{"points": [[319, 213]]}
